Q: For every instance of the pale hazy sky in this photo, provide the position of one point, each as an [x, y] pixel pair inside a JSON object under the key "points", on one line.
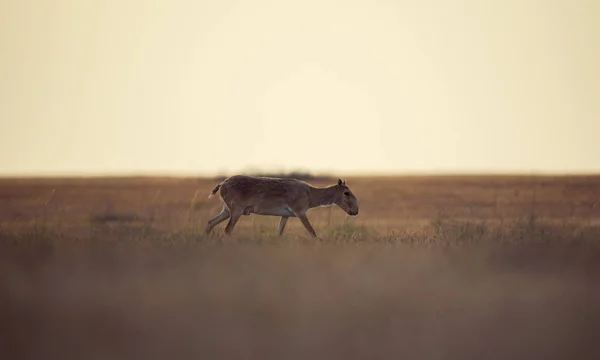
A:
{"points": [[194, 87]]}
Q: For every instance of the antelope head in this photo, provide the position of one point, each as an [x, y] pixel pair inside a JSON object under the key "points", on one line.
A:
{"points": [[345, 199]]}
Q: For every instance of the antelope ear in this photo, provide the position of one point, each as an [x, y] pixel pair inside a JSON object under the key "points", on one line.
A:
{"points": [[344, 183], [340, 182]]}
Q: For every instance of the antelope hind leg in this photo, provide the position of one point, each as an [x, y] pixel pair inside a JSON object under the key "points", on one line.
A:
{"points": [[235, 216], [223, 215], [282, 223]]}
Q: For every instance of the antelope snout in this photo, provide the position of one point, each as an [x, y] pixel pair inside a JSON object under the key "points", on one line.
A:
{"points": [[353, 212]]}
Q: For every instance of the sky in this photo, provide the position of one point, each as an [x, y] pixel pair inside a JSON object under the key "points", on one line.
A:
{"points": [[350, 87]]}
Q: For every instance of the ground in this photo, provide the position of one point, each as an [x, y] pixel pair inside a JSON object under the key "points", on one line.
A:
{"points": [[433, 267]]}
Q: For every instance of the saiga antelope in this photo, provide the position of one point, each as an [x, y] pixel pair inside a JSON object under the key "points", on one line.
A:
{"points": [[245, 195]]}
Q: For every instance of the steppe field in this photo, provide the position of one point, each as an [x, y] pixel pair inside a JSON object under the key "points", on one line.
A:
{"points": [[480, 267]]}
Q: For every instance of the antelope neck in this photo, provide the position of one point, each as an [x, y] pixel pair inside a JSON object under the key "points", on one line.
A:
{"points": [[322, 196]]}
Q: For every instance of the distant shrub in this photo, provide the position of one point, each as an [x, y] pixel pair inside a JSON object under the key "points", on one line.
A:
{"points": [[113, 217]]}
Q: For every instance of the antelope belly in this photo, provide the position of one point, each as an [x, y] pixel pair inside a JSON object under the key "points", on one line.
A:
{"points": [[275, 211]]}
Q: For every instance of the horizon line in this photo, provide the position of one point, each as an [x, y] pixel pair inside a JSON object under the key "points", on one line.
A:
{"points": [[331, 174]]}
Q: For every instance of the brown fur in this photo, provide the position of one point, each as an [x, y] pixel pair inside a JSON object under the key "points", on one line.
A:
{"points": [[245, 195]]}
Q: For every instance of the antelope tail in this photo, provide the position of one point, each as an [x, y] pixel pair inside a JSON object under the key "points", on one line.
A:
{"points": [[214, 191]]}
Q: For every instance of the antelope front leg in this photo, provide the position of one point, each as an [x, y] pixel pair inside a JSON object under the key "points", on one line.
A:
{"points": [[282, 223], [307, 225]]}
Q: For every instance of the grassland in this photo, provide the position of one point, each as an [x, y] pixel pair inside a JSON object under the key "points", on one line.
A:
{"points": [[432, 268]]}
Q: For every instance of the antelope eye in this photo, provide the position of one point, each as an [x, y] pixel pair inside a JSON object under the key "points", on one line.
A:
{"points": [[346, 193]]}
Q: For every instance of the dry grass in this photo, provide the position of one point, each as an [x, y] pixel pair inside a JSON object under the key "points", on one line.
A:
{"points": [[432, 268]]}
